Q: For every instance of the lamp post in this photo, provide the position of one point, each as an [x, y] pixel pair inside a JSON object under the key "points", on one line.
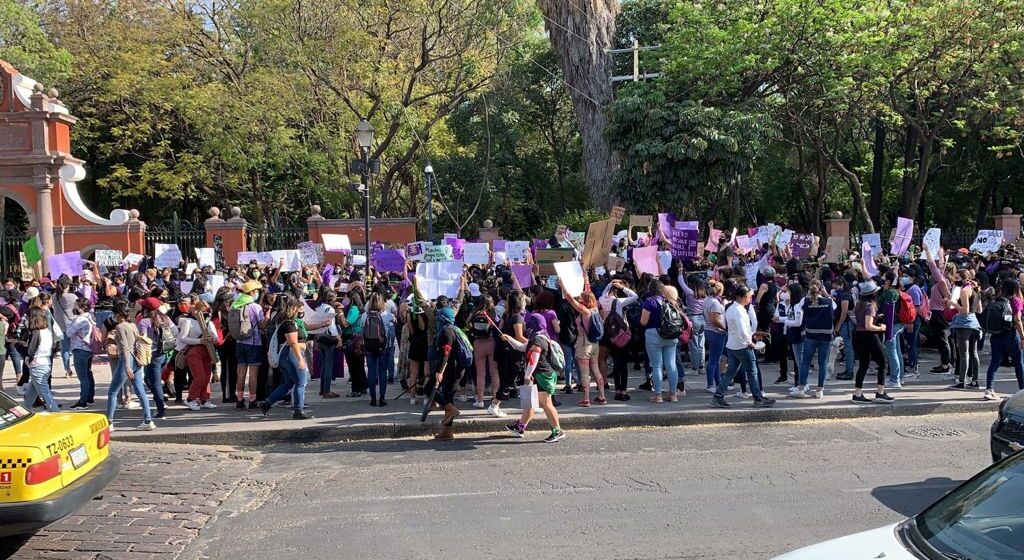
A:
{"points": [[364, 137], [429, 171]]}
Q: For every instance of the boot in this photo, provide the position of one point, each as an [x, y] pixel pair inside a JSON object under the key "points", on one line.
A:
{"points": [[447, 432], [450, 414]]}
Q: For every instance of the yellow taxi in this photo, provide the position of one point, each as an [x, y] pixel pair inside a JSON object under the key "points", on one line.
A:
{"points": [[50, 464]]}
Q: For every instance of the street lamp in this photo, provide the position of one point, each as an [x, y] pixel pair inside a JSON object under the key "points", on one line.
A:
{"points": [[364, 137], [429, 172]]}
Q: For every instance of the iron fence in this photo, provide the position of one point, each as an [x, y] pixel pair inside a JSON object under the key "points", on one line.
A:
{"points": [[11, 241], [275, 235], [179, 232]]}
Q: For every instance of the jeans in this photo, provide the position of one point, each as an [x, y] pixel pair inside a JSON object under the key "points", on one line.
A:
{"points": [[17, 359], [377, 371], [743, 358], [152, 378], [326, 367], [696, 346], [65, 351], [846, 333], [797, 348], [39, 385], [913, 339], [716, 346], [1005, 345], [118, 379], [894, 355], [294, 383], [822, 348], [570, 360], [967, 349], [662, 354], [86, 381]]}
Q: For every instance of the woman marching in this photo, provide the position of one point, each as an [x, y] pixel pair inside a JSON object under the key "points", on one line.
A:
{"points": [[539, 370]]}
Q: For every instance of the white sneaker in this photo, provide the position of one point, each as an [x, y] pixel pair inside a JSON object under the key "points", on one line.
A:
{"points": [[146, 426], [463, 398], [819, 393], [479, 404], [990, 395], [891, 385], [496, 411], [21, 390], [710, 390], [111, 428], [538, 410], [192, 405], [741, 395], [208, 405], [134, 405], [412, 401], [794, 390]]}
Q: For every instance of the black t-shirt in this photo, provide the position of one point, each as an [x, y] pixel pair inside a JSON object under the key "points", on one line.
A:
{"points": [[543, 365], [509, 326], [285, 328]]}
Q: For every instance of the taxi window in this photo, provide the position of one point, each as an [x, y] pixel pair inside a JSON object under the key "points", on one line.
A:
{"points": [[11, 412]]}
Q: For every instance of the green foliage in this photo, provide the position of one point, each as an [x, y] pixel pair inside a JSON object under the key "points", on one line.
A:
{"points": [[24, 44], [577, 220]]}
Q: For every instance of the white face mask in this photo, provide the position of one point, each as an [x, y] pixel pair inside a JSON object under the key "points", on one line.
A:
{"points": [[784, 296]]}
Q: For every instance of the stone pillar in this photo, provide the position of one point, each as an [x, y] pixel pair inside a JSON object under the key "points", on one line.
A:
{"points": [[838, 226], [313, 223], [232, 233], [1009, 223], [44, 221]]}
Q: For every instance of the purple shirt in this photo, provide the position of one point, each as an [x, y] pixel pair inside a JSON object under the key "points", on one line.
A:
{"points": [[255, 317], [550, 316], [653, 307]]}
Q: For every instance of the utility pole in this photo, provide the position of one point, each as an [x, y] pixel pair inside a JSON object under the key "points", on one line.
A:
{"points": [[635, 50]]}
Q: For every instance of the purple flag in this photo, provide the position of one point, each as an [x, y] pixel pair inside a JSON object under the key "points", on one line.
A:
{"points": [[328, 274]]}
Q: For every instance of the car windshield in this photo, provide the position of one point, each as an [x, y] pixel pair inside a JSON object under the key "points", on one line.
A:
{"points": [[981, 520], [11, 412]]}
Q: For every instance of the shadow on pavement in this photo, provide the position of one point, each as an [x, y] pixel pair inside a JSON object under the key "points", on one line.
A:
{"points": [[911, 498]]}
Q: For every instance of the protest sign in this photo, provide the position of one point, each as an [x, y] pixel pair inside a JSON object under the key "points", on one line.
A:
{"points": [[868, 259], [571, 275], [292, 262], [389, 260], [307, 253], [745, 244], [456, 245], [246, 257], [476, 253], [414, 251], [265, 258], [714, 236], [904, 232], [640, 222], [598, 241], [336, 243], [488, 234], [312, 316], [206, 256], [190, 268], [578, 239], [646, 260], [166, 255], [214, 282], [752, 269], [218, 253], [932, 240], [784, 238], [516, 250], [358, 260], [684, 241], [69, 263], [108, 258], [498, 245], [618, 212], [438, 253], [834, 248], [499, 258], [546, 258], [665, 222], [616, 263], [873, 239], [800, 244], [27, 271], [524, 274], [665, 260], [134, 258], [987, 241]]}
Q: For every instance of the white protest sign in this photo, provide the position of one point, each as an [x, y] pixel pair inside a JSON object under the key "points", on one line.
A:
{"points": [[134, 258], [190, 268], [292, 262], [873, 239], [214, 282], [246, 257], [265, 258], [439, 278], [988, 241], [784, 238], [516, 250], [167, 255], [499, 257], [307, 253], [106, 257], [476, 253], [358, 260], [186, 286], [571, 275], [206, 256], [336, 243], [932, 240], [665, 260]]}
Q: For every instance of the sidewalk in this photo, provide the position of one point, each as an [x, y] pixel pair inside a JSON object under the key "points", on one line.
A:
{"points": [[353, 419]]}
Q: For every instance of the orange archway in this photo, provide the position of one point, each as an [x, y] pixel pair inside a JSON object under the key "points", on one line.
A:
{"points": [[38, 171]]}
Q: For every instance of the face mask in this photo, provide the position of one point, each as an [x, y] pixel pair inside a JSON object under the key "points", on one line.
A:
{"points": [[905, 280], [959, 282], [184, 307], [784, 297]]}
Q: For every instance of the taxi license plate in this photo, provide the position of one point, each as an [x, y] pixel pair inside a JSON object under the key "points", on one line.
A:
{"points": [[79, 456]]}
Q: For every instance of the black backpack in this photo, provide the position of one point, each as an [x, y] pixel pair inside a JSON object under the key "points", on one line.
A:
{"points": [[479, 326], [672, 322], [997, 318], [375, 337], [568, 332]]}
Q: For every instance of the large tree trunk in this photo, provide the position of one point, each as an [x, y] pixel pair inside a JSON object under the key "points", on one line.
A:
{"points": [[587, 70], [877, 170]]}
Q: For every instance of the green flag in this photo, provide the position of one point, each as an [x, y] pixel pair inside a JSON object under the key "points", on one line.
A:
{"points": [[33, 253]]}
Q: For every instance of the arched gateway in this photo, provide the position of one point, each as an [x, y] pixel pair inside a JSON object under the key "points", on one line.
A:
{"points": [[38, 171]]}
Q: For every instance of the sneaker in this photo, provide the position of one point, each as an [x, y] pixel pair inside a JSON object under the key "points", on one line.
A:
{"points": [[496, 411], [711, 389], [382, 403], [161, 414], [517, 430], [742, 396], [555, 402], [764, 403], [240, 405], [208, 405], [600, 400], [79, 406], [479, 404], [555, 436], [146, 426], [956, 387], [253, 405], [111, 426], [192, 405], [861, 399], [719, 402], [646, 386], [974, 385], [583, 404], [567, 390], [819, 393], [21, 390], [133, 405], [301, 415], [893, 385], [413, 401], [990, 395], [782, 380], [940, 369], [373, 401], [911, 373], [883, 398], [463, 398], [265, 408], [844, 376]]}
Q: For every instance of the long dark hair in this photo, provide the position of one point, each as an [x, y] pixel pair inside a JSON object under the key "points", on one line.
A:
{"points": [[513, 304]]}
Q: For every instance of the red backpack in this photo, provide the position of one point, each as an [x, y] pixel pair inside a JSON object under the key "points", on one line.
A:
{"points": [[906, 313]]}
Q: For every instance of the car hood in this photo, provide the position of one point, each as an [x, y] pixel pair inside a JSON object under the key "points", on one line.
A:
{"points": [[869, 545], [1015, 404]]}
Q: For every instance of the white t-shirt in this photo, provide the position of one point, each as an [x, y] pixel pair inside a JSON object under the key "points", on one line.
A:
{"points": [[741, 332]]}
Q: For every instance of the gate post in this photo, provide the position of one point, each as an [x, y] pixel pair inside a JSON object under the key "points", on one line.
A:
{"points": [[232, 232]]}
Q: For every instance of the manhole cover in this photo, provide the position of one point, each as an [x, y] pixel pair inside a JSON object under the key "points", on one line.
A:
{"points": [[932, 432]]}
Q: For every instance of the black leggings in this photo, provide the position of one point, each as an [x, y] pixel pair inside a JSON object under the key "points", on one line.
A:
{"points": [[620, 371], [356, 368], [229, 369], [867, 346], [449, 384], [941, 333], [510, 369]]}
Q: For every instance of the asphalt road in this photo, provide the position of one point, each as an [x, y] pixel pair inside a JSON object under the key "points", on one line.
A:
{"points": [[723, 492]]}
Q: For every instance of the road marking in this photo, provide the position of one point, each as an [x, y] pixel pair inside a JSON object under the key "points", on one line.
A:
{"points": [[914, 489], [418, 497]]}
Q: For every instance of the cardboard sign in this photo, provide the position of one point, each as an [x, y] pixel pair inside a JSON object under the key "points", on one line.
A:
{"points": [[616, 263], [336, 243], [546, 259], [27, 271], [618, 212], [932, 240], [307, 253], [599, 239], [640, 222], [69, 263], [516, 250], [206, 256], [476, 253], [988, 241], [801, 244], [834, 248], [389, 260], [488, 234], [439, 253], [414, 251], [167, 255], [571, 275], [108, 258]]}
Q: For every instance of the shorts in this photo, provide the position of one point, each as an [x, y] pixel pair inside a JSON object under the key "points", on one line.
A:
{"points": [[248, 354], [546, 382], [585, 349]]}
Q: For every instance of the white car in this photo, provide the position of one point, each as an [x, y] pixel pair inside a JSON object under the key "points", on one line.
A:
{"points": [[982, 519]]}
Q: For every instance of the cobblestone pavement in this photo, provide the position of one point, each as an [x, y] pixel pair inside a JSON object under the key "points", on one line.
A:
{"points": [[164, 495]]}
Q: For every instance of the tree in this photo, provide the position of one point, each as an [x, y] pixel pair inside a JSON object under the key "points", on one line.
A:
{"points": [[580, 31], [24, 44]]}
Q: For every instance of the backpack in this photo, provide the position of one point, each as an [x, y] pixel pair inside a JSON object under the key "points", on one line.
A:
{"points": [[97, 340], [274, 351], [555, 357], [672, 322], [616, 329], [463, 349], [479, 325], [997, 318], [375, 335], [595, 327], [143, 351], [687, 334], [906, 313], [569, 332], [239, 323]]}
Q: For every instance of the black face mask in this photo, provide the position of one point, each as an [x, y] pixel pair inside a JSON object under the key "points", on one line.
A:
{"points": [[959, 282]]}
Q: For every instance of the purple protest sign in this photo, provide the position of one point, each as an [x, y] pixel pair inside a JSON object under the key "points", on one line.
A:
{"points": [[65, 263], [684, 241], [801, 245], [904, 231], [498, 245], [524, 273], [328, 274], [389, 260], [665, 222], [457, 245]]}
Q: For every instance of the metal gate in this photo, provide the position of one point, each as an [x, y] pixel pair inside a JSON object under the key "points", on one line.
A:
{"points": [[11, 240]]}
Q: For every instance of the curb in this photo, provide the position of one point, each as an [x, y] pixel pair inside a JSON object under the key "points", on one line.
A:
{"points": [[709, 417]]}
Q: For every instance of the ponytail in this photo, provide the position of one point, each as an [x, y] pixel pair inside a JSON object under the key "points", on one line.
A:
{"points": [[814, 290]]}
